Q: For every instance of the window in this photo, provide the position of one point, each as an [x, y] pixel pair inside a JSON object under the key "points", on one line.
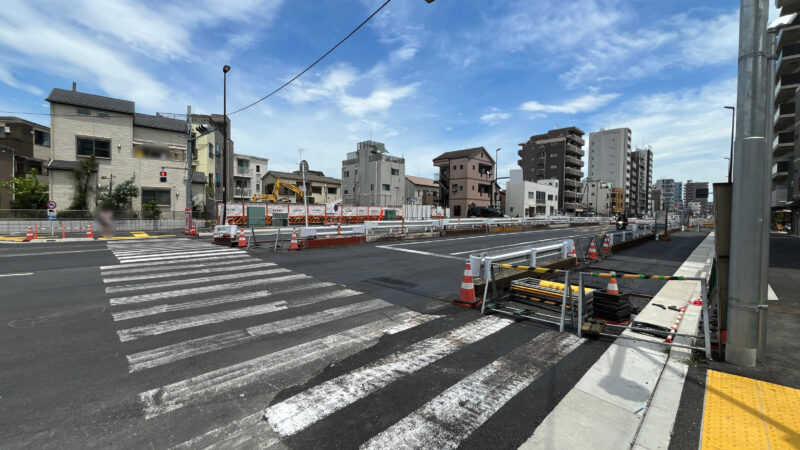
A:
{"points": [[216, 149], [162, 197], [395, 171], [386, 187], [100, 148], [455, 188], [258, 188], [346, 173], [243, 165], [316, 189], [102, 114], [549, 196], [345, 192], [332, 190], [371, 187], [553, 166], [258, 168], [461, 166], [457, 210], [454, 167], [473, 167], [84, 112], [41, 138], [554, 155], [473, 187], [530, 195], [218, 181], [210, 149], [540, 197]]}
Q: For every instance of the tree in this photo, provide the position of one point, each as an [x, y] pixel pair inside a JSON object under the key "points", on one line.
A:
{"points": [[82, 175], [150, 210], [120, 197], [28, 192]]}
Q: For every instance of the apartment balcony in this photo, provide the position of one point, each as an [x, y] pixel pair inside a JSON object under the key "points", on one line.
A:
{"points": [[577, 139], [785, 87], [780, 171], [242, 193], [790, 33], [783, 144], [575, 150], [788, 59], [242, 172], [570, 206], [573, 161], [569, 171], [570, 195], [784, 116], [571, 183], [779, 197]]}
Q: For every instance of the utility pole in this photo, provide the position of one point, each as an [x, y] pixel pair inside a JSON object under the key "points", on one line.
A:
{"points": [[747, 297], [303, 167], [189, 148], [225, 70]]}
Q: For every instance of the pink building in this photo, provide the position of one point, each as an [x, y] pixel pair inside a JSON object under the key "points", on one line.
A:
{"points": [[465, 179]]}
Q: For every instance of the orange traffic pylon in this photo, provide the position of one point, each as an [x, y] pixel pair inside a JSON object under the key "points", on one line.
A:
{"points": [[36, 231], [63, 231], [467, 295], [607, 245], [573, 253], [242, 240], [29, 235], [612, 286], [194, 229], [293, 247], [89, 232], [592, 255]]}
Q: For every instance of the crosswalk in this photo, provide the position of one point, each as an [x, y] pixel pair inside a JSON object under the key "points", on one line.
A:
{"points": [[213, 322]]}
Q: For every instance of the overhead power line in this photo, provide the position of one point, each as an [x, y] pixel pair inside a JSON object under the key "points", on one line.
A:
{"points": [[314, 63]]}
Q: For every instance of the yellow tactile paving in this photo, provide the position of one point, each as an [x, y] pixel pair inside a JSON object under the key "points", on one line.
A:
{"points": [[749, 414]]}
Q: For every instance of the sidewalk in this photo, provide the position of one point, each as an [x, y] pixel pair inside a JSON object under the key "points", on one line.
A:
{"points": [[629, 397]]}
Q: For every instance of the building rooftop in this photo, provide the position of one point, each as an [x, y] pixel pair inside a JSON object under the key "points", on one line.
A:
{"points": [[297, 176], [466, 153], [90, 101], [158, 122], [9, 119], [422, 181]]}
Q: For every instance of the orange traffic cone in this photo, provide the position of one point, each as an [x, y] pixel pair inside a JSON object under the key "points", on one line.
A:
{"points": [[29, 235], [612, 286], [293, 247], [573, 253], [36, 231], [89, 233], [242, 240], [467, 295], [592, 255], [194, 229], [607, 245], [63, 231]]}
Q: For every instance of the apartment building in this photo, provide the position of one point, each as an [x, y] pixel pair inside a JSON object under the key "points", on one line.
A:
{"points": [[207, 156], [596, 197], [247, 173], [667, 188], [657, 202], [529, 198], [24, 145], [126, 145], [696, 191], [677, 195], [466, 179], [373, 177], [558, 155], [641, 181], [610, 158], [422, 191], [321, 189], [617, 200]]}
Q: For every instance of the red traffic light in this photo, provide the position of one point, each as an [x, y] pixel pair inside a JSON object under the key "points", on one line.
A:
{"points": [[163, 174]]}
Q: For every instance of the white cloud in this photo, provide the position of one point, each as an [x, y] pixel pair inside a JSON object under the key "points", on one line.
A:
{"points": [[379, 100], [404, 53], [494, 116], [586, 103]]}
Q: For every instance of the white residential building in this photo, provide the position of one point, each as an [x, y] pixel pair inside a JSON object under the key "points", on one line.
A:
{"points": [[596, 197], [610, 159], [247, 173], [530, 198]]}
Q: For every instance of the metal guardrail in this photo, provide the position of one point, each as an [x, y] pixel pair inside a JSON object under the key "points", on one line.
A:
{"points": [[480, 263]]}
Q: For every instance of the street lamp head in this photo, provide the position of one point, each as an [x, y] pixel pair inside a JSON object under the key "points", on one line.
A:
{"points": [[730, 107], [226, 68]]}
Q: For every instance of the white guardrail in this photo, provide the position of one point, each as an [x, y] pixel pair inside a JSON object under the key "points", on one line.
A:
{"points": [[480, 263]]}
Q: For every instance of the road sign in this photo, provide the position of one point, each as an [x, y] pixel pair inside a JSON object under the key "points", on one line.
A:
{"points": [[335, 208], [51, 204], [51, 213]]}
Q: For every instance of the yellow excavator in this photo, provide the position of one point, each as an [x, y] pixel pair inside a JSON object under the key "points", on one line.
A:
{"points": [[273, 197]]}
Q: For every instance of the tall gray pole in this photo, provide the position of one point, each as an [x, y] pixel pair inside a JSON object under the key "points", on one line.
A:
{"points": [[748, 222], [189, 157], [225, 70]]}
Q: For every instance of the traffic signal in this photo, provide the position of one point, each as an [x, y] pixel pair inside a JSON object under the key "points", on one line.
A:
{"points": [[163, 175]]}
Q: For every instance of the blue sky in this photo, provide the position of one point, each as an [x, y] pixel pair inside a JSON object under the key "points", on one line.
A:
{"points": [[422, 78]]}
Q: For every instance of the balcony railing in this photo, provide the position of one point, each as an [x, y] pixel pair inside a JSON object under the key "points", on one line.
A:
{"points": [[242, 171], [573, 161], [788, 53], [575, 150], [573, 172], [784, 88], [779, 197], [242, 192]]}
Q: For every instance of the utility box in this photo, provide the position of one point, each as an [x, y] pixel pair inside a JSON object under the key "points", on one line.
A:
{"points": [[256, 216], [280, 219], [389, 214]]}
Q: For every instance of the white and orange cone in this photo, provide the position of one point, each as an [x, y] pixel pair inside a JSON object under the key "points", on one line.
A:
{"points": [[29, 235], [89, 232], [467, 294], [612, 286], [592, 255], [293, 247], [573, 253], [63, 231], [242, 240], [607, 245]]}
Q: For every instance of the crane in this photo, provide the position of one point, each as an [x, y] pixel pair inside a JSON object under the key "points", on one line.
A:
{"points": [[273, 197]]}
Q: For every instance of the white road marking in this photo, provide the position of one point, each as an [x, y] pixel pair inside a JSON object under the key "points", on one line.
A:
{"points": [[203, 289], [183, 350], [520, 244], [452, 416], [182, 255], [419, 252], [182, 323], [163, 284], [298, 412], [482, 236], [771, 295], [202, 387], [120, 267], [238, 297], [16, 274], [194, 271], [235, 435], [124, 270]]}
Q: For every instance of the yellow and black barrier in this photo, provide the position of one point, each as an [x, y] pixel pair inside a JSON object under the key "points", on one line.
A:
{"points": [[634, 276], [530, 269]]}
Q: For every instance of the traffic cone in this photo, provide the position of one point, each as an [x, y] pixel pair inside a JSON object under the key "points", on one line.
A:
{"points": [[607, 245], [293, 247], [242, 240], [467, 295], [29, 235], [89, 233], [36, 231], [194, 229], [573, 253], [592, 255], [63, 232], [612, 286]]}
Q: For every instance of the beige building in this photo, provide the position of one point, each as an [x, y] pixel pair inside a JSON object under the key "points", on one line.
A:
{"points": [[247, 173], [127, 146], [319, 187], [421, 191], [465, 179]]}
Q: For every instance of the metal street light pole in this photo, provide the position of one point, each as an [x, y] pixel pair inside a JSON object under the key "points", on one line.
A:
{"points": [[225, 70], [492, 202], [733, 121]]}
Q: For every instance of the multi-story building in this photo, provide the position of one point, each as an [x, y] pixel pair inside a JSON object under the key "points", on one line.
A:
{"points": [[642, 164], [596, 197], [247, 173], [530, 199], [422, 191], [466, 179], [696, 191], [617, 200], [785, 148], [372, 177], [677, 196], [320, 189], [558, 155], [657, 202], [610, 159], [24, 146], [207, 156], [667, 188]]}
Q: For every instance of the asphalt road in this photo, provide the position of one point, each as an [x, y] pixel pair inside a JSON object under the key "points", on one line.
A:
{"points": [[165, 342]]}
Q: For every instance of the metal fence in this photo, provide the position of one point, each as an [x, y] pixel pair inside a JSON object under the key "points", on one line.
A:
{"points": [[65, 214]]}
